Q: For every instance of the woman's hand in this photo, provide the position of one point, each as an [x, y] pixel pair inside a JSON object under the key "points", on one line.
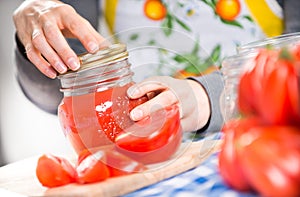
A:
{"points": [[42, 26], [164, 91]]}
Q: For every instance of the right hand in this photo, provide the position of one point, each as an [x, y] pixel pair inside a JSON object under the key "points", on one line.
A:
{"points": [[163, 91], [42, 26]]}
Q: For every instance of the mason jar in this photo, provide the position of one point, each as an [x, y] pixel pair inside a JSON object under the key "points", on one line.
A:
{"points": [[94, 111], [289, 39], [234, 66]]}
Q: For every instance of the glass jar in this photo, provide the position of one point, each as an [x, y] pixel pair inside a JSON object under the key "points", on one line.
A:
{"points": [[234, 66], [95, 110], [273, 42]]}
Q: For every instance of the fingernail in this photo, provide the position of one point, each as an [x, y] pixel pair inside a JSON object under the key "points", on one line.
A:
{"points": [[93, 47], [61, 68], [74, 65], [136, 114], [131, 92], [50, 73]]}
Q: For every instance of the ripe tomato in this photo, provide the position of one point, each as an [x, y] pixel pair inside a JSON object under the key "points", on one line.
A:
{"points": [[153, 139], [135, 102], [92, 168], [119, 164], [246, 104], [112, 109], [271, 89], [230, 166], [53, 171], [271, 159], [274, 101]]}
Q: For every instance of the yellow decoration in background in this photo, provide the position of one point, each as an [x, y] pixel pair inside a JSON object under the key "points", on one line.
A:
{"points": [[110, 9], [269, 22]]}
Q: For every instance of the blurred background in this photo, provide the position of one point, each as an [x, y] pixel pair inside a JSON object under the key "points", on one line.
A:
{"points": [[25, 130]]}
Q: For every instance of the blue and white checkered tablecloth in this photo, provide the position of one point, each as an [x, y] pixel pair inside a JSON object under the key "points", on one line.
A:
{"points": [[201, 181]]}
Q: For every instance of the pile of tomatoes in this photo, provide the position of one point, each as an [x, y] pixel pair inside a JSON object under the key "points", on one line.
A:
{"points": [[91, 166], [261, 149]]}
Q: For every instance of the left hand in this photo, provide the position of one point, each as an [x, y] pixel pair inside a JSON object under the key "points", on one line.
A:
{"points": [[164, 91]]}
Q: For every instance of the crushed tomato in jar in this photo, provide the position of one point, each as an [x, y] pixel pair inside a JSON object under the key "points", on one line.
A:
{"points": [[95, 110]]}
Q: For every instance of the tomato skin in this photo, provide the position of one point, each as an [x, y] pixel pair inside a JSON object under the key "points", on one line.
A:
{"points": [[279, 99], [54, 171], [271, 89], [135, 102], [153, 139], [230, 166], [267, 152], [119, 164], [246, 105], [92, 168], [114, 118], [272, 160]]}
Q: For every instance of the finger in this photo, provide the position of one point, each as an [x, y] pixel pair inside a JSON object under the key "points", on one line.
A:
{"points": [[60, 45], [145, 87], [40, 43], [161, 101], [36, 58], [83, 30]]}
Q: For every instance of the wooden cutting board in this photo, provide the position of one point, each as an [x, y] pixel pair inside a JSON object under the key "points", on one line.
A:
{"points": [[19, 177]]}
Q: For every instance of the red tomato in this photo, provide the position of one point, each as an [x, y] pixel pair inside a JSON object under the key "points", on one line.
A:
{"points": [[271, 88], [153, 139], [271, 160], [119, 164], [135, 102], [113, 112], [246, 104], [229, 159], [279, 102], [92, 168], [53, 171]]}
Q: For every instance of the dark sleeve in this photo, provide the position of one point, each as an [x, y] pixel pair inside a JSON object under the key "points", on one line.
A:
{"points": [[291, 15], [214, 85], [39, 89]]}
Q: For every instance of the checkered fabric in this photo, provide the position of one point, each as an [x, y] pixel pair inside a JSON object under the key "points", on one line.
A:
{"points": [[201, 181]]}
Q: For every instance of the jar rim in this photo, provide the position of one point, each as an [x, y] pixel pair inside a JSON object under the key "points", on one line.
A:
{"points": [[107, 55], [279, 40]]}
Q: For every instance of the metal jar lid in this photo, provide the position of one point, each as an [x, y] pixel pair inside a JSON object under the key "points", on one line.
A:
{"points": [[108, 55]]}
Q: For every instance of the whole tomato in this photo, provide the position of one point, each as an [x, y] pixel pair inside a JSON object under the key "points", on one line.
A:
{"points": [[250, 85], [270, 157], [54, 171], [278, 103], [230, 166], [271, 88]]}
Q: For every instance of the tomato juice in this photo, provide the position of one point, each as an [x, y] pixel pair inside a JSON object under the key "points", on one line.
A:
{"points": [[101, 118]]}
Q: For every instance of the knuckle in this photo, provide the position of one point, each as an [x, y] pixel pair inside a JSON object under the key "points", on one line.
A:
{"points": [[36, 37], [49, 30], [73, 26], [66, 8], [30, 53], [64, 52]]}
